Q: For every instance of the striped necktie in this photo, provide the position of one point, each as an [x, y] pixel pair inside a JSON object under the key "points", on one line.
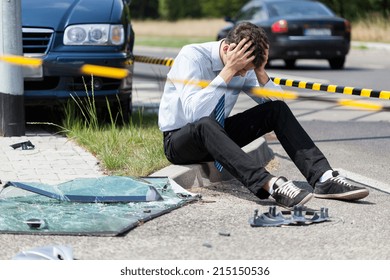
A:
{"points": [[219, 113]]}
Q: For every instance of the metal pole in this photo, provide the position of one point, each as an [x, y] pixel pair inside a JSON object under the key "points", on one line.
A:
{"points": [[12, 116]]}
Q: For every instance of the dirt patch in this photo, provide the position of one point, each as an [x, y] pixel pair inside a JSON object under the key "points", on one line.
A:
{"points": [[370, 32]]}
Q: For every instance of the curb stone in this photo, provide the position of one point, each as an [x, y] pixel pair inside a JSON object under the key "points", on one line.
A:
{"points": [[205, 174]]}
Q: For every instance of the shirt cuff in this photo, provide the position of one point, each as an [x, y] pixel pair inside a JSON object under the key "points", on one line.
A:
{"points": [[219, 81], [271, 85]]}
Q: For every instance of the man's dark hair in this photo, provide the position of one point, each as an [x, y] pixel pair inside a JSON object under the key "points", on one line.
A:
{"points": [[257, 36]]}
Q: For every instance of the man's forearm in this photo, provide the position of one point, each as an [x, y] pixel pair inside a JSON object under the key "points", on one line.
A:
{"points": [[262, 77], [227, 74]]}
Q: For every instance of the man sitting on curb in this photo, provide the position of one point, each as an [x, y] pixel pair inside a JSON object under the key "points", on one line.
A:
{"points": [[197, 127]]}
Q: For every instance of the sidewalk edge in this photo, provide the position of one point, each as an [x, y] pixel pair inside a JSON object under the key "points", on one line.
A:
{"points": [[205, 174]]}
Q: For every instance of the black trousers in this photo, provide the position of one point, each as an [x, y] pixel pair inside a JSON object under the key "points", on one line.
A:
{"points": [[206, 140]]}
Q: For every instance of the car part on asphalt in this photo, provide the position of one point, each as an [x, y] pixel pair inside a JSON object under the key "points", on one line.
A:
{"points": [[26, 145], [55, 252], [298, 216]]}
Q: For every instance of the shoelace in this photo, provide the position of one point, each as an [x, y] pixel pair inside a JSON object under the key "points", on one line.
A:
{"points": [[341, 180], [288, 189]]}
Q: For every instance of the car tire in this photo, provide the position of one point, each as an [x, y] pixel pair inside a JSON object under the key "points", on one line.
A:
{"points": [[337, 62], [290, 63], [127, 108], [117, 110]]}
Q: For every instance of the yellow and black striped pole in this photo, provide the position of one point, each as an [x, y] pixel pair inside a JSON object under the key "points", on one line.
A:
{"points": [[168, 61], [333, 88]]}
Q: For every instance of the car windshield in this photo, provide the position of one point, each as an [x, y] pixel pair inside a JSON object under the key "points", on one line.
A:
{"points": [[297, 8]]}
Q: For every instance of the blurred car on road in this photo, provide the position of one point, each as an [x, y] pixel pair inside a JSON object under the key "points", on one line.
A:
{"points": [[298, 29], [74, 33]]}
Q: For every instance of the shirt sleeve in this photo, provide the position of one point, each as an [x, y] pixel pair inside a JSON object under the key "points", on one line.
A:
{"points": [[198, 97]]}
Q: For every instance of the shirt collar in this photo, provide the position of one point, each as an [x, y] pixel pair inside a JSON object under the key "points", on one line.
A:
{"points": [[216, 60]]}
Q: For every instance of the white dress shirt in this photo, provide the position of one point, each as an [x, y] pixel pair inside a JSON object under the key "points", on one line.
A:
{"points": [[184, 103]]}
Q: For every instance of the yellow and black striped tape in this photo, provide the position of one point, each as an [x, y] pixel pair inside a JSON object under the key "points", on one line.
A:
{"points": [[333, 88], [153, 60], [292, 83], [87, 69], [269, 93], [120, 73]]}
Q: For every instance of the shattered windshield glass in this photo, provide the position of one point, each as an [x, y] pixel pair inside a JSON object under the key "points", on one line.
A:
{"points": [[36, 208]]}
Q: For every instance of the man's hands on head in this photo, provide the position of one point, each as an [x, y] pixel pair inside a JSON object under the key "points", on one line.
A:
{"points": [[236, 57], [261, 74]]}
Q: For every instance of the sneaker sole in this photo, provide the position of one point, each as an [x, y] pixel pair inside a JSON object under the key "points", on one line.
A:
{"points": [[301, 203], [352, 195]]}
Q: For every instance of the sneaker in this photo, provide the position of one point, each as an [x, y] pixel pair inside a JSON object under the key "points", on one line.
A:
{"points": [[338, 187], [287, 195]]}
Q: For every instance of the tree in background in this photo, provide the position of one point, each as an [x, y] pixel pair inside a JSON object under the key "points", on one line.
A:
{"points": [[177, 9], [385, 8], [358, 9], [144, 9], [221, 8]]}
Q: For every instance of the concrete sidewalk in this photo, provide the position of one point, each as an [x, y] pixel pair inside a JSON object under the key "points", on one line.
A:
{"points": [[54, 159]]}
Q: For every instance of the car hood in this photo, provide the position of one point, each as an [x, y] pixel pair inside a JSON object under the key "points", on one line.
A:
{"points": [[57, 14]]}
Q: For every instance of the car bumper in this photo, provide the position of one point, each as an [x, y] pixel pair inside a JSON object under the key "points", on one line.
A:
{"points": [[295, 47], [60, 77]]}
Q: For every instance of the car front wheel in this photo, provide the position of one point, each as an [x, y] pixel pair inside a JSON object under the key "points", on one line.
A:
{"points": [[337, 62], [290, 63], [127, 108]]}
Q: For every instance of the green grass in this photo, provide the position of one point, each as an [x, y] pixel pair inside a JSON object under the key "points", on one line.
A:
{"points": [[131, 149], [135, 149], [360, 47]]}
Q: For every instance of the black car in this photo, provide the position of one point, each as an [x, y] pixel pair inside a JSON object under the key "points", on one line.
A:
{"points": [[74, 33], [298, 29]]}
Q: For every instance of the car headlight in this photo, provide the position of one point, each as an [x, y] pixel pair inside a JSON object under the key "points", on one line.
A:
{"points": [[94, 34]]}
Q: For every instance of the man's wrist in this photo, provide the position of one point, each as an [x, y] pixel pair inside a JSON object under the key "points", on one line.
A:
{"points": [[263, 78], [266, 81], [227, 74]]}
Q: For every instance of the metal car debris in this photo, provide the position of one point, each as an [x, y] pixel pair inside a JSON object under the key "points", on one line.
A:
{"points": [[298, 216], [54, 252]]}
